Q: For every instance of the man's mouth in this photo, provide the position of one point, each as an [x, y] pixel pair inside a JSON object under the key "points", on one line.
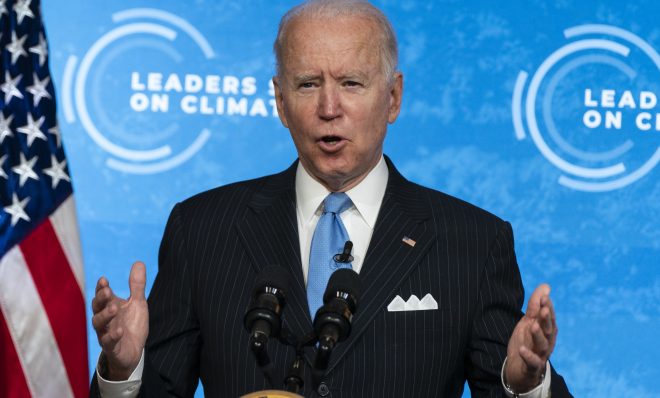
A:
{"points": [[331, 143], [331, 139]]}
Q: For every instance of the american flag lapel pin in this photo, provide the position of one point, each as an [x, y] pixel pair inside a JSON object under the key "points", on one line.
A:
{"points": [[408, 241]]}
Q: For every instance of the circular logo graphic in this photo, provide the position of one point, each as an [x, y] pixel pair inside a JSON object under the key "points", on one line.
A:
{"points": [[591, 108], [149, 92]]}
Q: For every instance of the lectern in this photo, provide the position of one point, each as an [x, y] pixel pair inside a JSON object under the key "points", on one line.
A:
{"points": [[272, 394]]}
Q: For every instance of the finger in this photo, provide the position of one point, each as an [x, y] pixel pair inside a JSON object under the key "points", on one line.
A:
{"points": [[534, 304], [551, 334], [533, 362], [540, 341], [110, 339], [547, 303], [101, 299], [545, 321], [137, 280], [101, 319], [101, 283]]}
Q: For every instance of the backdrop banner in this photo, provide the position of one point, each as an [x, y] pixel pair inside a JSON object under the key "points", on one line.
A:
{"points": [[544, 113]]}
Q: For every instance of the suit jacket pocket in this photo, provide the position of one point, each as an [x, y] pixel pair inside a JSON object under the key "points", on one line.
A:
{"points": [[403, 325], [425, 346]]}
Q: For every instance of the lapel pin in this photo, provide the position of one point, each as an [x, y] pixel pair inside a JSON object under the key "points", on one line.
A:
{"points": [[408, 241]]}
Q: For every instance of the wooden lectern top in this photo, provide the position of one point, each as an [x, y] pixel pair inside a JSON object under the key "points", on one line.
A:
{"points": [[272, 394]]}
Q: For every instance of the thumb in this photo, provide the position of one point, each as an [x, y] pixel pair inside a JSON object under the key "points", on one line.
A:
{"points": [[137, 280]]}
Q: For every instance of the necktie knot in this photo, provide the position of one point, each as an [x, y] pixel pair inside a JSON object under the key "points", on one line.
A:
{"points": [[336, 203]]}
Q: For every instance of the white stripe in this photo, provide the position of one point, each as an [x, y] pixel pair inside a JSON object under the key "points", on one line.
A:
{"points": [[65, 224], [30, 330]]}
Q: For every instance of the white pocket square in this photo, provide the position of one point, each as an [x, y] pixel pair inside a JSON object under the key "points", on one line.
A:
{"points": [[413, 304]]}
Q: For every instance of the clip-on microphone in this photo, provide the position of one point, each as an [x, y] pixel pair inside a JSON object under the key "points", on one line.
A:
{"points": [[345, 256]]}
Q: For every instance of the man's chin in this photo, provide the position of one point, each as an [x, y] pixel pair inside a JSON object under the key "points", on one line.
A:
{"points": [[336, 173], [332, 176], [339, 179]]}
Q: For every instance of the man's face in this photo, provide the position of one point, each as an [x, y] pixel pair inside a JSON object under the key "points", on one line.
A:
{"points": [[334, 98]]}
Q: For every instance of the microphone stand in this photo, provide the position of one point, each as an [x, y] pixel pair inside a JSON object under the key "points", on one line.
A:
{"points": [[294, 381], [258, 345], [268, 318]]}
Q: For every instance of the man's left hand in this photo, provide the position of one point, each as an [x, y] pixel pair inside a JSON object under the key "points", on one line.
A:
{"points": [[531, 343]]}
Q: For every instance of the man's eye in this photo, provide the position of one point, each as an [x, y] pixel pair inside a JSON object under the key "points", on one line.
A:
{"points": [[352, 83], [307, 85]]}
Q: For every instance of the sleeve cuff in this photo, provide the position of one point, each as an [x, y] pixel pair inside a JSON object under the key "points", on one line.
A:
{"points": [[120, 389], [540, 391]]}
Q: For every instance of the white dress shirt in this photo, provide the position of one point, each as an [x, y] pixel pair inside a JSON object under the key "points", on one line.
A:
{"points": [[359, 221]]}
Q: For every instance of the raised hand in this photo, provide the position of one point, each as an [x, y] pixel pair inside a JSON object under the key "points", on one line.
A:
{"points": [[532, 342], [121, 325]]}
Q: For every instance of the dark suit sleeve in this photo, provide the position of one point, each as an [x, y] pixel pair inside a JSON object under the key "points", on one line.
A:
{"points": [[171, 364], [501, 296], [172, 351]]}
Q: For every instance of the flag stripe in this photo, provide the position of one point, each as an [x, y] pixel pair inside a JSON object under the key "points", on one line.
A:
{"points": [[12, 380], [41, 274], [30, 330], [66, 228], [62, 298]]}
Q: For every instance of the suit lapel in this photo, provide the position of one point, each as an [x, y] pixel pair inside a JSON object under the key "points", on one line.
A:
{"points": [[390, 259], [270, 235]]}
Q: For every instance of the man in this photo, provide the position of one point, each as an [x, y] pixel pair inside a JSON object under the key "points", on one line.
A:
{"points": [[337, 89]]}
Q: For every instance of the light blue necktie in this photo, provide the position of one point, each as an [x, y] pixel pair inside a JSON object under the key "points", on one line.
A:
{"points": [[329, 238]]}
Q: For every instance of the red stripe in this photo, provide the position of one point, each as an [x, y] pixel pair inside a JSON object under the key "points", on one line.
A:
{"points": [[12, 380], [62, 299]]}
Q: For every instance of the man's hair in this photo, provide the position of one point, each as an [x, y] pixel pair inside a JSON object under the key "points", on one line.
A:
{"points": [[387, 43]]}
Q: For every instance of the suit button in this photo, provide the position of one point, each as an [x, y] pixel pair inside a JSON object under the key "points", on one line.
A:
{"points": [[323, 390]]}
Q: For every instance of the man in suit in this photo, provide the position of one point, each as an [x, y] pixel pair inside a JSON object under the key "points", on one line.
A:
{"points": [[337, 89]]}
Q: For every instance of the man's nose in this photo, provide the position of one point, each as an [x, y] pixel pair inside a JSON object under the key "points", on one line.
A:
{"points": [[329, 106]]}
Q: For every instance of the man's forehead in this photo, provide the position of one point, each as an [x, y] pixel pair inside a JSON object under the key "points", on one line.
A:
{"points": [[337, 41], [344, 31]]}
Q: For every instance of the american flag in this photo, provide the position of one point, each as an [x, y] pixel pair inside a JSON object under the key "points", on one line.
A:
{"points": [[43, 342]]}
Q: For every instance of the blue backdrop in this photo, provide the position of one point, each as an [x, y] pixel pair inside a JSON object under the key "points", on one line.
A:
{"points": [[545, 114]]}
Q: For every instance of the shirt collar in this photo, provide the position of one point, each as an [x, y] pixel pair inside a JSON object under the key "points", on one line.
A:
{"points": [[367, 196]]}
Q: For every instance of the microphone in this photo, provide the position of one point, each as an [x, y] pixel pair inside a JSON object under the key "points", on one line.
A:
{"points": [[263, 315], [345, 256], [332, 322]]}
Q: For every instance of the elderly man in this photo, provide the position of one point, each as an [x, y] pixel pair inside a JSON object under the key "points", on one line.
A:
{"points": [[337, 88]]}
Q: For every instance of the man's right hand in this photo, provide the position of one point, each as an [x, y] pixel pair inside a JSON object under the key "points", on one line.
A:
{"points": [[121, 325]]}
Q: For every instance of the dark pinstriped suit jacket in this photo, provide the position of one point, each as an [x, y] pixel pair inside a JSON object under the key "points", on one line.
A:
{"points": [[215, 243]]}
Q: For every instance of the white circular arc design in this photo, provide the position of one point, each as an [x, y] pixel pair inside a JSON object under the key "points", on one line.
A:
{"points": [[135, 161], [531, 102], [152, 168], [546, 66], [81, 78], [175, 20]]}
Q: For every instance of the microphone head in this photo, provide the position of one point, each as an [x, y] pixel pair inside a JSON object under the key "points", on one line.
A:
{"points": [[268, 300], [347, 283], [272, 276]]}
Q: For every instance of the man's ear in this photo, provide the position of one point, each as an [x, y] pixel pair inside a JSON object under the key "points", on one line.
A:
{"points": [[396, 96], [279, 101]]}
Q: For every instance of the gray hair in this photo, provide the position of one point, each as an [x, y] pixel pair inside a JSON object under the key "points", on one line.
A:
{"points": [[388, 47]]}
